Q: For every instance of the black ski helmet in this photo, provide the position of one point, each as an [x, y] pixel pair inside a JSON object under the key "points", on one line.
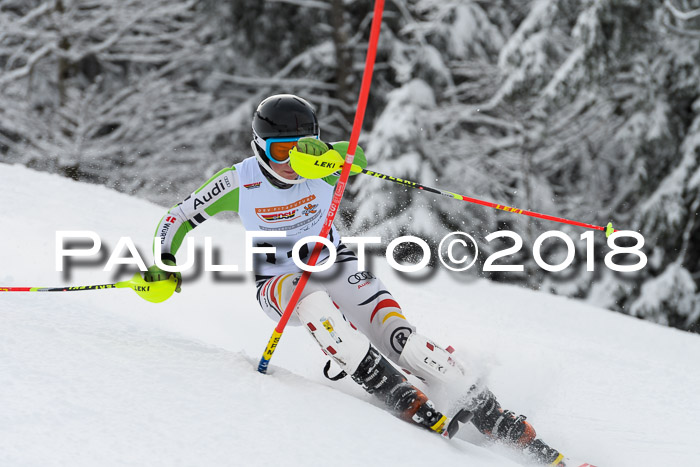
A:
{"points": [[285, 116], [281, 116]]}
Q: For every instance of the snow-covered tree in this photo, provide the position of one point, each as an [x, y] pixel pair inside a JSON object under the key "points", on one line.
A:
{"points": [[584, 109], [108, 91]]}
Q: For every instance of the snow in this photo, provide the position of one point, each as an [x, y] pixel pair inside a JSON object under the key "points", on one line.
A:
{"points": [[105, 378]]}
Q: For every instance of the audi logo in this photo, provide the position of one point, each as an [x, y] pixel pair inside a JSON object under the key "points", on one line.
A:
{"points": [[360, 276]]}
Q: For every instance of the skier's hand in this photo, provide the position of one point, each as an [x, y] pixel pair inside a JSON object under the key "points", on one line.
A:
{"points": [[312, 146], [360, 159], [342, 148], [155, 274]]}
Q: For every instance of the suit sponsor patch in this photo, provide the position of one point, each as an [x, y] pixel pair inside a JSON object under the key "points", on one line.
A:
{"points": [[302, 208]]}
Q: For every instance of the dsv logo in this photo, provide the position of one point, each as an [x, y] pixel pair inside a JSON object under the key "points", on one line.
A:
{"points": [[360, 276]]}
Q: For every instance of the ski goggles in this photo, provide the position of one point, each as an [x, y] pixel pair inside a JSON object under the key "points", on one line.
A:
{"points": [[277, 149]]}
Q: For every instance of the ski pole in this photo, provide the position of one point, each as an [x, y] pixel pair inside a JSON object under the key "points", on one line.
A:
{"points": [[310, 166], [339, 187], [154, 292]]}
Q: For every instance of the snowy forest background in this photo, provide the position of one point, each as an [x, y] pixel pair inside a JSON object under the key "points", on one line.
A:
{"points": [[584, 109]]}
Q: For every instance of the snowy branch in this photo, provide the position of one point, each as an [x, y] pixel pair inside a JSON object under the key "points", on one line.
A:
{"points": [[305, 3], [31, 62], [681, 32], [104, 45], [682, 15], [279, 82], [17, 25]]}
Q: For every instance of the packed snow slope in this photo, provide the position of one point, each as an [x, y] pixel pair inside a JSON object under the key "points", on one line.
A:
{"points": [[104, 378]]}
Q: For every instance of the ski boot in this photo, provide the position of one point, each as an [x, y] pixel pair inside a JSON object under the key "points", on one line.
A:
{"points": [[378, 377], [490, 419]]}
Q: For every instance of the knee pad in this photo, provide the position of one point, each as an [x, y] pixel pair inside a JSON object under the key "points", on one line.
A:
{"points": [[430, 363], [337, 338]]}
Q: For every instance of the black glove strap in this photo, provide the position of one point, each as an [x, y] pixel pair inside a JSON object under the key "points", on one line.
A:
{"points": [[340, 375], [167, 256]]}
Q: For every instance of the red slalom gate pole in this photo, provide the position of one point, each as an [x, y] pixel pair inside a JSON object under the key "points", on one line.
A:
{"points": [[339, 187]]}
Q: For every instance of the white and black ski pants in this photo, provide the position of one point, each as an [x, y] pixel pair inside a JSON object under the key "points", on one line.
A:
{"points": [[361, 297]]}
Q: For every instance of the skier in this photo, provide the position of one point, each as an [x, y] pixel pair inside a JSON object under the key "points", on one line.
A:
{"points": [[350, 313]]}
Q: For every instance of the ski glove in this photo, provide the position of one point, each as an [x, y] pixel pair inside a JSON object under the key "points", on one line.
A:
{"points": [[342, 148], [155, 274], [316, 147], [312, 146]]}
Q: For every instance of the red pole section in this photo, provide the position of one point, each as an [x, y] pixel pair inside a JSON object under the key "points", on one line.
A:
{"points": [[531, 213], [340, 185]]}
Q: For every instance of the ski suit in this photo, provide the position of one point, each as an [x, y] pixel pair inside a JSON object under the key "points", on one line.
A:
{"points": [[298, 211], [350, 313]]}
